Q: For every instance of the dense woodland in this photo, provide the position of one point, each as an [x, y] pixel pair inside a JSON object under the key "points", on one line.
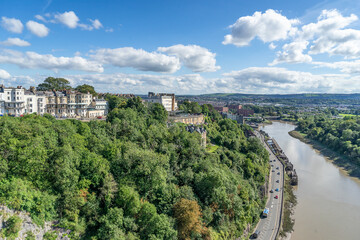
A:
{"points": [[133, 176], [340, 134]]}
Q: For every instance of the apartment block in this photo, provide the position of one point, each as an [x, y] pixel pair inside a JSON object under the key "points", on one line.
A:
{"points": [[165, 99], [67, 103]]}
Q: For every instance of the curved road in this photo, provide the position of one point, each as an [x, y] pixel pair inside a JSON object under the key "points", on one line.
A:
{"points": [[269, 226]]}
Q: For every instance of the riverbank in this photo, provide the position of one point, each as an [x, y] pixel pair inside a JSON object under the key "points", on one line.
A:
{"points": [[287, 226], [343, 162]]}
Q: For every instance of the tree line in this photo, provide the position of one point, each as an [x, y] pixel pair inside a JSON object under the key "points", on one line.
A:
{"points": [[340, 134]]}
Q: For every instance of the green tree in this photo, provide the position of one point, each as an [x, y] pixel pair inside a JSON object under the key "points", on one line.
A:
{"points": [[85, 88], [52, 83]]}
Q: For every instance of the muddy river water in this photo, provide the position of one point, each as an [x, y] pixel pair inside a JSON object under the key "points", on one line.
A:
{"points": [[328, 200]]}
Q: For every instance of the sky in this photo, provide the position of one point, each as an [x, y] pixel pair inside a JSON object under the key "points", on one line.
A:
{"points": [[183, 46]]}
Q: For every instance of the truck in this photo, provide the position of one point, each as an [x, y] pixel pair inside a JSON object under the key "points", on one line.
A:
{"points": [[265, 213]]}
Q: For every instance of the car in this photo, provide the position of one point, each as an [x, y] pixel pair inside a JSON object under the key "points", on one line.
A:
{"points": [[272, 165], [271, 190], [270, 160], [99, 117], [256, 234], [273, 170], [276, 197], [278, 173], [277, 189], [277, 167], [278, 181]]}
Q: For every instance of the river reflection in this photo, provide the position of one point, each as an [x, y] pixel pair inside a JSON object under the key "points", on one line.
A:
{"points": [[328, 200]]}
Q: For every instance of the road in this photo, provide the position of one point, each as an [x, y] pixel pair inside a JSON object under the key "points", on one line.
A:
{"points": [[269, 226]]}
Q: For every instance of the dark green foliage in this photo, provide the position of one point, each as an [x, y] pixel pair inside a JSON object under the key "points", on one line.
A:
{"points": [[85, 88], [120, 179], [341, 135], [52, 83]]}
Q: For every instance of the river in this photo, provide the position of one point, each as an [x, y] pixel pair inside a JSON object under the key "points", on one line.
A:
{"points": [[328, 200]]}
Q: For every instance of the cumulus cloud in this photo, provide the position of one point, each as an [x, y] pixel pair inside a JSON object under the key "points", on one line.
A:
{"points": [[34, 60], [280, 80], [12, 24], [69, 19], [196, 58], [272, 46], [138, 59], [96, 23], [329, 35], [142, 83], [268, 26], [37, 29], [4, 74], [15, 42], [293, 53], [351, 67], [265, 80]]}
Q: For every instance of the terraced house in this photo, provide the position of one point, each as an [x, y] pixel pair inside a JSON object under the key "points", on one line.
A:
{"points": [[67, 103]]}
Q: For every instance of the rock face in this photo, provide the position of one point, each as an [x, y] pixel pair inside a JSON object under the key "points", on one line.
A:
{"points": [[27, 225]]}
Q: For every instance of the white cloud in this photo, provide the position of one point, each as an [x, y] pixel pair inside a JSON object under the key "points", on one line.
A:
{"points": [[40, 18], [69, 19], [138, 59], [96, 23], [351, 67], [269, 26], [142, 83], [4, 74], [272, 46], [34, 60], [293, 53], [15, 42], [12, 24], [196, 58], [280, 80], [38, 29]]}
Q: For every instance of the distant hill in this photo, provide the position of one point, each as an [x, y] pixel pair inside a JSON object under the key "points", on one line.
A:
{"points": [[303, 98]]}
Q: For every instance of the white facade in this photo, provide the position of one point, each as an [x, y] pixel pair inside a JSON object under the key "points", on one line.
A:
{"points": [[18, 101], [167, 100]]}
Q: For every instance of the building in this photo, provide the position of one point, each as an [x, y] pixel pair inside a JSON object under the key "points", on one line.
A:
{"points": [[200, 130], [194, 119], [221, 109], [235, 107], [13, 100], [165, 99], [67, 103], [98, 108], [245, 112], [238, 118]]}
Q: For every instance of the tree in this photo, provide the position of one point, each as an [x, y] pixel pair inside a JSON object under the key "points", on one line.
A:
{"points": [[52, 83], [85, 88], [187, 214]]}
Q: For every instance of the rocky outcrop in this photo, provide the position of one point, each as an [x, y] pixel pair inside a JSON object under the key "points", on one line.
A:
{"points": [[27, 225]]}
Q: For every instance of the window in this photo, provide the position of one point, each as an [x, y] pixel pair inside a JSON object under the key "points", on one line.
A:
{"points": [[30, 110], [8, 98], [8, 93], [30, 105], [17, 98], [30, 99]]}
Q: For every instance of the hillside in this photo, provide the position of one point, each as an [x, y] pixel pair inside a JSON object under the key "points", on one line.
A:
{"points": [[132, 176]]}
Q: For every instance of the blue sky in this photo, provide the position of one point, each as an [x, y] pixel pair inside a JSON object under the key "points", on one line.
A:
{"points": [[183, 46]]}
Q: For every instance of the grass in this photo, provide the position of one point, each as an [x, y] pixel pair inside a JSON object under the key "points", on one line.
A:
{"points": [[211, 148], [347, 115]]}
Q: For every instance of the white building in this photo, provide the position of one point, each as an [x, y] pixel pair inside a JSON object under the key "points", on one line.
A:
{"points": [[165, 99]]}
